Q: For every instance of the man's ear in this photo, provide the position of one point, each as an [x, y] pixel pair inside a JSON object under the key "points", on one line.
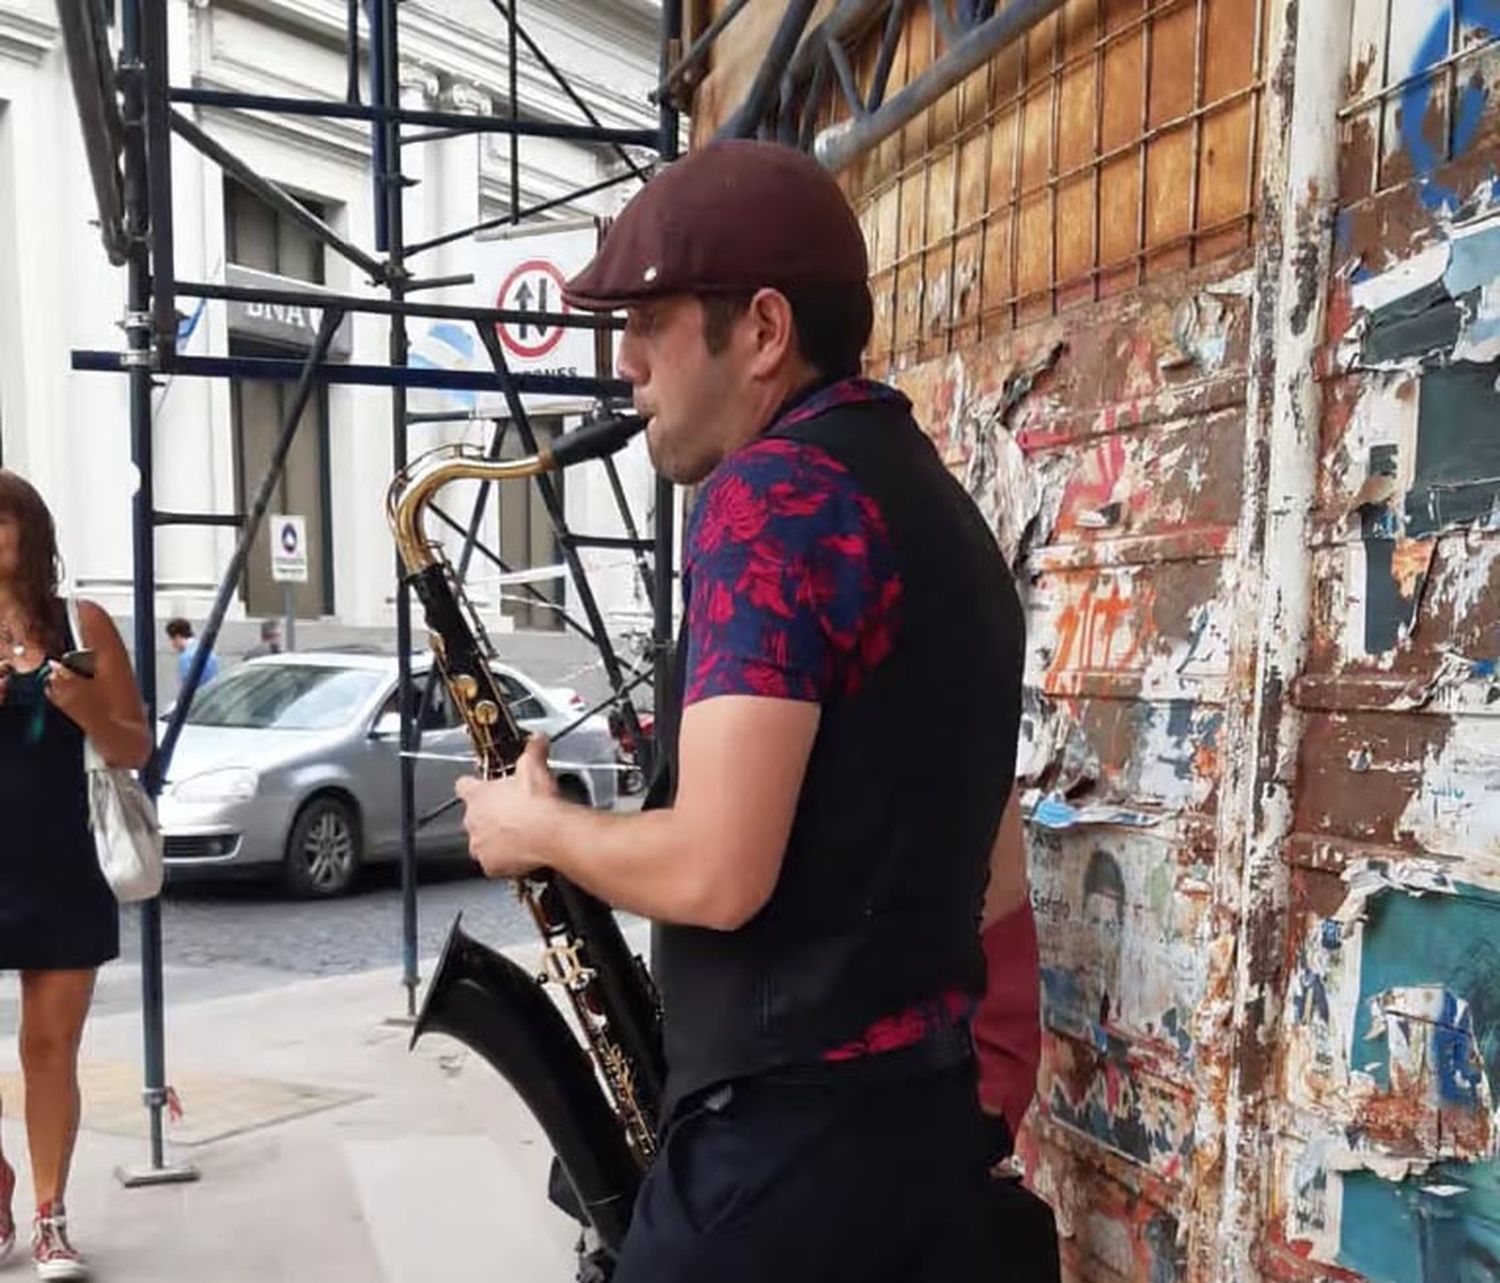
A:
{"points": [[772, 331]]}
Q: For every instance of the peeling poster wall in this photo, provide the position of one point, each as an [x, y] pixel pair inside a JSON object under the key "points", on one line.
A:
{"points": [[1074, 260], [1387, 1155]]}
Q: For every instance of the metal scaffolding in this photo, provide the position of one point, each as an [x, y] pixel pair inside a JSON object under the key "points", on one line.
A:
{"points": [[130, 114]]}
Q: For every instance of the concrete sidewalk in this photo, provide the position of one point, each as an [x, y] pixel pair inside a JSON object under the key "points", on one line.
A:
{"points": [[328, 1153]]}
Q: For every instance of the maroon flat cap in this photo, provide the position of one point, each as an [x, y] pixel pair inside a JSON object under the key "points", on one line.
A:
{"points": [[731, 217]]}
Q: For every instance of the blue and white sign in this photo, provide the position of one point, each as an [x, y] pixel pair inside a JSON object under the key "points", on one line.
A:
{"points": [[289, 550]]}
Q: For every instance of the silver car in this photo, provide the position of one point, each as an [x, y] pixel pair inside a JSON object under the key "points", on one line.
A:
{"points": [[289, 765]]}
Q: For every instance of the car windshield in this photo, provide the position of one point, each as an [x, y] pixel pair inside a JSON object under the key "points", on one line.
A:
{"points": [[284, 697]]}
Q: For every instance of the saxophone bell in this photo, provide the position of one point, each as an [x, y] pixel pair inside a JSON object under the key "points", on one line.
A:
{"points": [[491, 1005], [596, 1100]]}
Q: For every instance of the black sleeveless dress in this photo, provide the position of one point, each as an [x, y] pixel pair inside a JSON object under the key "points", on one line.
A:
{"points": [[56, 910]]}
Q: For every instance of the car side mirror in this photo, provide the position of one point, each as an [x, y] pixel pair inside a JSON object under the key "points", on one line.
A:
{"points": [[387, 727]]}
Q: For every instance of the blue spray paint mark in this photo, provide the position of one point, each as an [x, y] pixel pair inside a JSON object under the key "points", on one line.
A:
{"points": [[1458, 1075], [1417, 98], [1211, 727], [1422, 95], [1197, 630], [1471, 104], [1481, 16]]}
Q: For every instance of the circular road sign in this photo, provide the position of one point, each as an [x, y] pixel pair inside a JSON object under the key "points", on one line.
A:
{"points": [[533, 286]]}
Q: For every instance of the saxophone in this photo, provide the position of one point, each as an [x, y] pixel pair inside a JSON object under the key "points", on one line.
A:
{"points": [[602, 1135]]}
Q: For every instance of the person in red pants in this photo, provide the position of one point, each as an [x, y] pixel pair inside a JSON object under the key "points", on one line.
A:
{"points": [[1007, 1024]]}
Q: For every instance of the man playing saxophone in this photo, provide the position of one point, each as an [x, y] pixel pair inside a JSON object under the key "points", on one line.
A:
{"points": [[822, 852]]}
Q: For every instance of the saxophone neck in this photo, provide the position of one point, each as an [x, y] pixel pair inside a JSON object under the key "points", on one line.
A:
{"points": [[412, 490]]}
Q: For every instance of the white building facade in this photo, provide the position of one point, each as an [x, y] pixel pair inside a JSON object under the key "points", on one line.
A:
{"points": [[68, 431]]}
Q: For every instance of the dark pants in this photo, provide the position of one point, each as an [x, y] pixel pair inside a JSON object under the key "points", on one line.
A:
{"points": [[825, 1177]]}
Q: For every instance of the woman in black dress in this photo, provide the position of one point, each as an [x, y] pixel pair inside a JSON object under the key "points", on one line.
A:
{"points": [[58, 918]]}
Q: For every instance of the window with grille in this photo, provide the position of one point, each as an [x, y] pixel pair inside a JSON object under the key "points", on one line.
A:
{"points": [[1114, 144], [1422, 79], [528, 540], [261, 237]]}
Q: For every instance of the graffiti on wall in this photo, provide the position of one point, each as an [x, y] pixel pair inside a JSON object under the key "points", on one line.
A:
{"points": [[1389, 1162], [1395, 1028]]}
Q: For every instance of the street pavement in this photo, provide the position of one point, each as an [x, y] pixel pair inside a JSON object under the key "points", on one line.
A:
{"points": [[219, 939], [226, 937], [326, 1151]]}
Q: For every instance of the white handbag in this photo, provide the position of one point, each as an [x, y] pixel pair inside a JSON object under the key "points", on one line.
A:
{"points": [[122, 817]]}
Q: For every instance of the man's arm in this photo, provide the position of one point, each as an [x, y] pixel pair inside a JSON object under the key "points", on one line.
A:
{"points": [[710, 860], [793, 592]]}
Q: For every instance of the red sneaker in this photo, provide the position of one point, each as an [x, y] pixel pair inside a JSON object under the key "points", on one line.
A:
{"points": [[7, 1221], [51, 1253]]}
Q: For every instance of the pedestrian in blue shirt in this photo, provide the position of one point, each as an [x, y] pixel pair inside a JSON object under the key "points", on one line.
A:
{"points": [[180, 636]]}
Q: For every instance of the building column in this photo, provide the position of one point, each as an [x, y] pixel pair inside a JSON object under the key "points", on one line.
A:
{"points": [[193, 435], [419, 92]]}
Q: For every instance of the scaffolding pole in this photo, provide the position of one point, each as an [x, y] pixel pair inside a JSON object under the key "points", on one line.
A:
{"points": [[139, 347], [143, 224]]}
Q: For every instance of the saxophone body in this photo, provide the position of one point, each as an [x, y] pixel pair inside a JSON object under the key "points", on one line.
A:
{"points": [[596, 1099]]}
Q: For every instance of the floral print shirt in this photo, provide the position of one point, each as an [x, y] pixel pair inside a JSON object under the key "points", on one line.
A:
{"points": [[793, 592]]}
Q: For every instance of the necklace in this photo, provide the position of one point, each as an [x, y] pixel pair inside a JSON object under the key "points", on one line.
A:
{"points": [[10, 638]]}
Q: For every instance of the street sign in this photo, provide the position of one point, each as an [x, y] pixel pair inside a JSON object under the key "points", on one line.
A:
{"points": [[289, 550], [535, 285], [290, 324], [524, 271]]}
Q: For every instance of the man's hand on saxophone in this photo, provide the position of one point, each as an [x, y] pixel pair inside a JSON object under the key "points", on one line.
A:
{"points": [[503, 817]]}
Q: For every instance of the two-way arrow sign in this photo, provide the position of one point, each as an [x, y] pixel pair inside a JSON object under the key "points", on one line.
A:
{"points": [[523, 304]]}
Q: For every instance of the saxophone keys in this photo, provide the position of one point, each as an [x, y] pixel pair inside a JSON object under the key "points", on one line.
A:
{"points": [[486, 712], [564, 964], [465, 686]]}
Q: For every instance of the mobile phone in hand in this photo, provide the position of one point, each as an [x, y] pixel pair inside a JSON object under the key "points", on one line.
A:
{"points": [[83, 662]]}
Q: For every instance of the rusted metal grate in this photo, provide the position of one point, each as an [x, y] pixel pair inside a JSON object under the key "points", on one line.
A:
{"points": [[1119, 141]]}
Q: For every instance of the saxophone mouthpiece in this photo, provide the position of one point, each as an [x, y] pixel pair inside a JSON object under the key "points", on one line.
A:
{"points": [[593, 441]]}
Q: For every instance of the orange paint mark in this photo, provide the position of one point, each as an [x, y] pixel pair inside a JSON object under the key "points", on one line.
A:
{"points": [[1205, 761], [1410, 561], [1096, 633]]}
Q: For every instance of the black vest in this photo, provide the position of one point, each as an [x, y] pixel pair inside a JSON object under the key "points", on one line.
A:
{"points": [[881, 889]]}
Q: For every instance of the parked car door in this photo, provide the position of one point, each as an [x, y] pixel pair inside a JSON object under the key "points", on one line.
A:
{"points": [[445, 754]]}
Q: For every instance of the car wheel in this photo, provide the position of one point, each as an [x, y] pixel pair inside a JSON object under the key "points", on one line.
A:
{"points": [[571, 789], [322, 852]]}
